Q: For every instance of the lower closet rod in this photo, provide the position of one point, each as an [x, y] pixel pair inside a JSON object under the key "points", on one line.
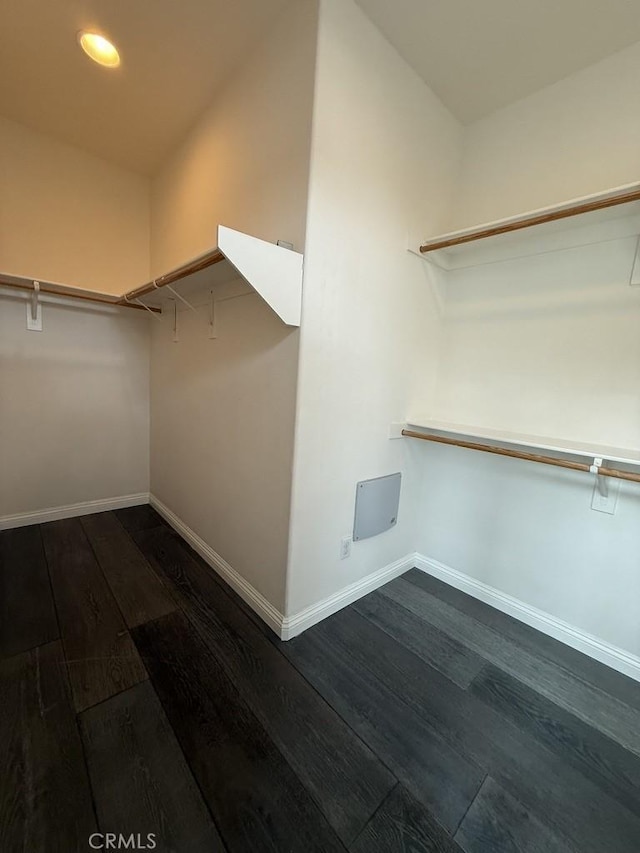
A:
{"points": [[520, 454], [69, 293]]}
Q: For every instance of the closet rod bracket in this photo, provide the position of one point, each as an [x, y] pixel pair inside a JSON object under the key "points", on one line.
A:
{"points": [[34, 310], [600, 480]]}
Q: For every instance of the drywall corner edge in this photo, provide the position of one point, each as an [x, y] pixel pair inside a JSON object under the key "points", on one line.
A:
{"points": [[606, 653], [275, 273]]}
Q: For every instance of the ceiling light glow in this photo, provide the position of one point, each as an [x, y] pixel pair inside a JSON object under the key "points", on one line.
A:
{"points": [[99, 49]]}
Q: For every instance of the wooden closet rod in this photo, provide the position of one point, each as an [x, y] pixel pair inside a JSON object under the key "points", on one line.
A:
{"points": [[520, 454], [201, 263], [69, 292], [529, 221]]}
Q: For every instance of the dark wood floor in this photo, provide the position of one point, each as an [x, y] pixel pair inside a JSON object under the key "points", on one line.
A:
{"points": [[140, 695]]}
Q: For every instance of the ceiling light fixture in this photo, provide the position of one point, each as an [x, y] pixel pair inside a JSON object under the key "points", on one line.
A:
{"points": [[99, 49]]}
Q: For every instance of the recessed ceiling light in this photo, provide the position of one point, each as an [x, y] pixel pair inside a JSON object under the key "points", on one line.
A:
{"points": [[99, 49]]}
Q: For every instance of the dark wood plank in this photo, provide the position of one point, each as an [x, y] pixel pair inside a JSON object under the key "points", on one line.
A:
{"points": [[27, 613], [595, 707], [101, 657], [604, 761], [140, 593], [432, 769], [45, 799], [435, 648], [143, 517], [257, 801], [403, 825], [344, 777], [498, 823], [620, 686], [140, 779], [542, 780], [224, 586]]}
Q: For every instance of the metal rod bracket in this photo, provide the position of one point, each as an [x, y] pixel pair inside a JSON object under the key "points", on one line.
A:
{"points": [[600, 480], [34, 310], [178, 296]]}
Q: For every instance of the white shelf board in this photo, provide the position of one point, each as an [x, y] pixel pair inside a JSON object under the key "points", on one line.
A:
{"points": [[624, 455], [603, 225], [275, 273]]}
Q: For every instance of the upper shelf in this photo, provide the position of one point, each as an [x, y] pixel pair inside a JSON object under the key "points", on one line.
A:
{"points": [[606, 216], [625, 455], [274, 272]]}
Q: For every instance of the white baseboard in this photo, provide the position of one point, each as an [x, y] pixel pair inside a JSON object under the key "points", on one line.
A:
{"points": [[265, 610], [299, 622], [606, 653], [40, 516], [284, 627]]}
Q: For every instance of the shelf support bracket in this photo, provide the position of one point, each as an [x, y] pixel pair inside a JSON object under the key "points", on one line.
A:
{"points": [[601, 481], [181, 298], [635, 269], [142, 305]]}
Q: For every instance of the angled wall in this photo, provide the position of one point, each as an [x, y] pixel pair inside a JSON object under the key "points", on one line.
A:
{"points": [[69, 217], [245, 164], [577, 137]]}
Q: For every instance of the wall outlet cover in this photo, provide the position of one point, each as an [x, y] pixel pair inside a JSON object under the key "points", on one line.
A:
{"points": [[608, 503]]}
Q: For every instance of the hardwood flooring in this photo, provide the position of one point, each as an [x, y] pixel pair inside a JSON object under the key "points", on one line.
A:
{"points": [[45, 800], [139, 776], [101, 657], [27, 614], [140, 695]]}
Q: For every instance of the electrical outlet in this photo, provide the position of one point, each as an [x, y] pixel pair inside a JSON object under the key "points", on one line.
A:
{"points": [[608, 503], [345, 547]]}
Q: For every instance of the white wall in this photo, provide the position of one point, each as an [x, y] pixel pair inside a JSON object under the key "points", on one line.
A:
{"points": [[69, 217], [577, 137], [384, 156], [545, 345], [74, 398], [74, 406], [246, 162], [222, 414], [223, 411], [529, 531]]}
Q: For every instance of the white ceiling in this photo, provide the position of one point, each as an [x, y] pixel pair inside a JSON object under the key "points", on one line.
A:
{"points": [[480, 55], [174, 55], [477, 55]]}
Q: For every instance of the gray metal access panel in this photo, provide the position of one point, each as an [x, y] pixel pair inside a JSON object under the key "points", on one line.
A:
{"points": [[377, 504]]}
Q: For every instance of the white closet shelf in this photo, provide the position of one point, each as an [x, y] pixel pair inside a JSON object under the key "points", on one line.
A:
{"points": [[624, 455], [588, 220], [274, 272]]}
